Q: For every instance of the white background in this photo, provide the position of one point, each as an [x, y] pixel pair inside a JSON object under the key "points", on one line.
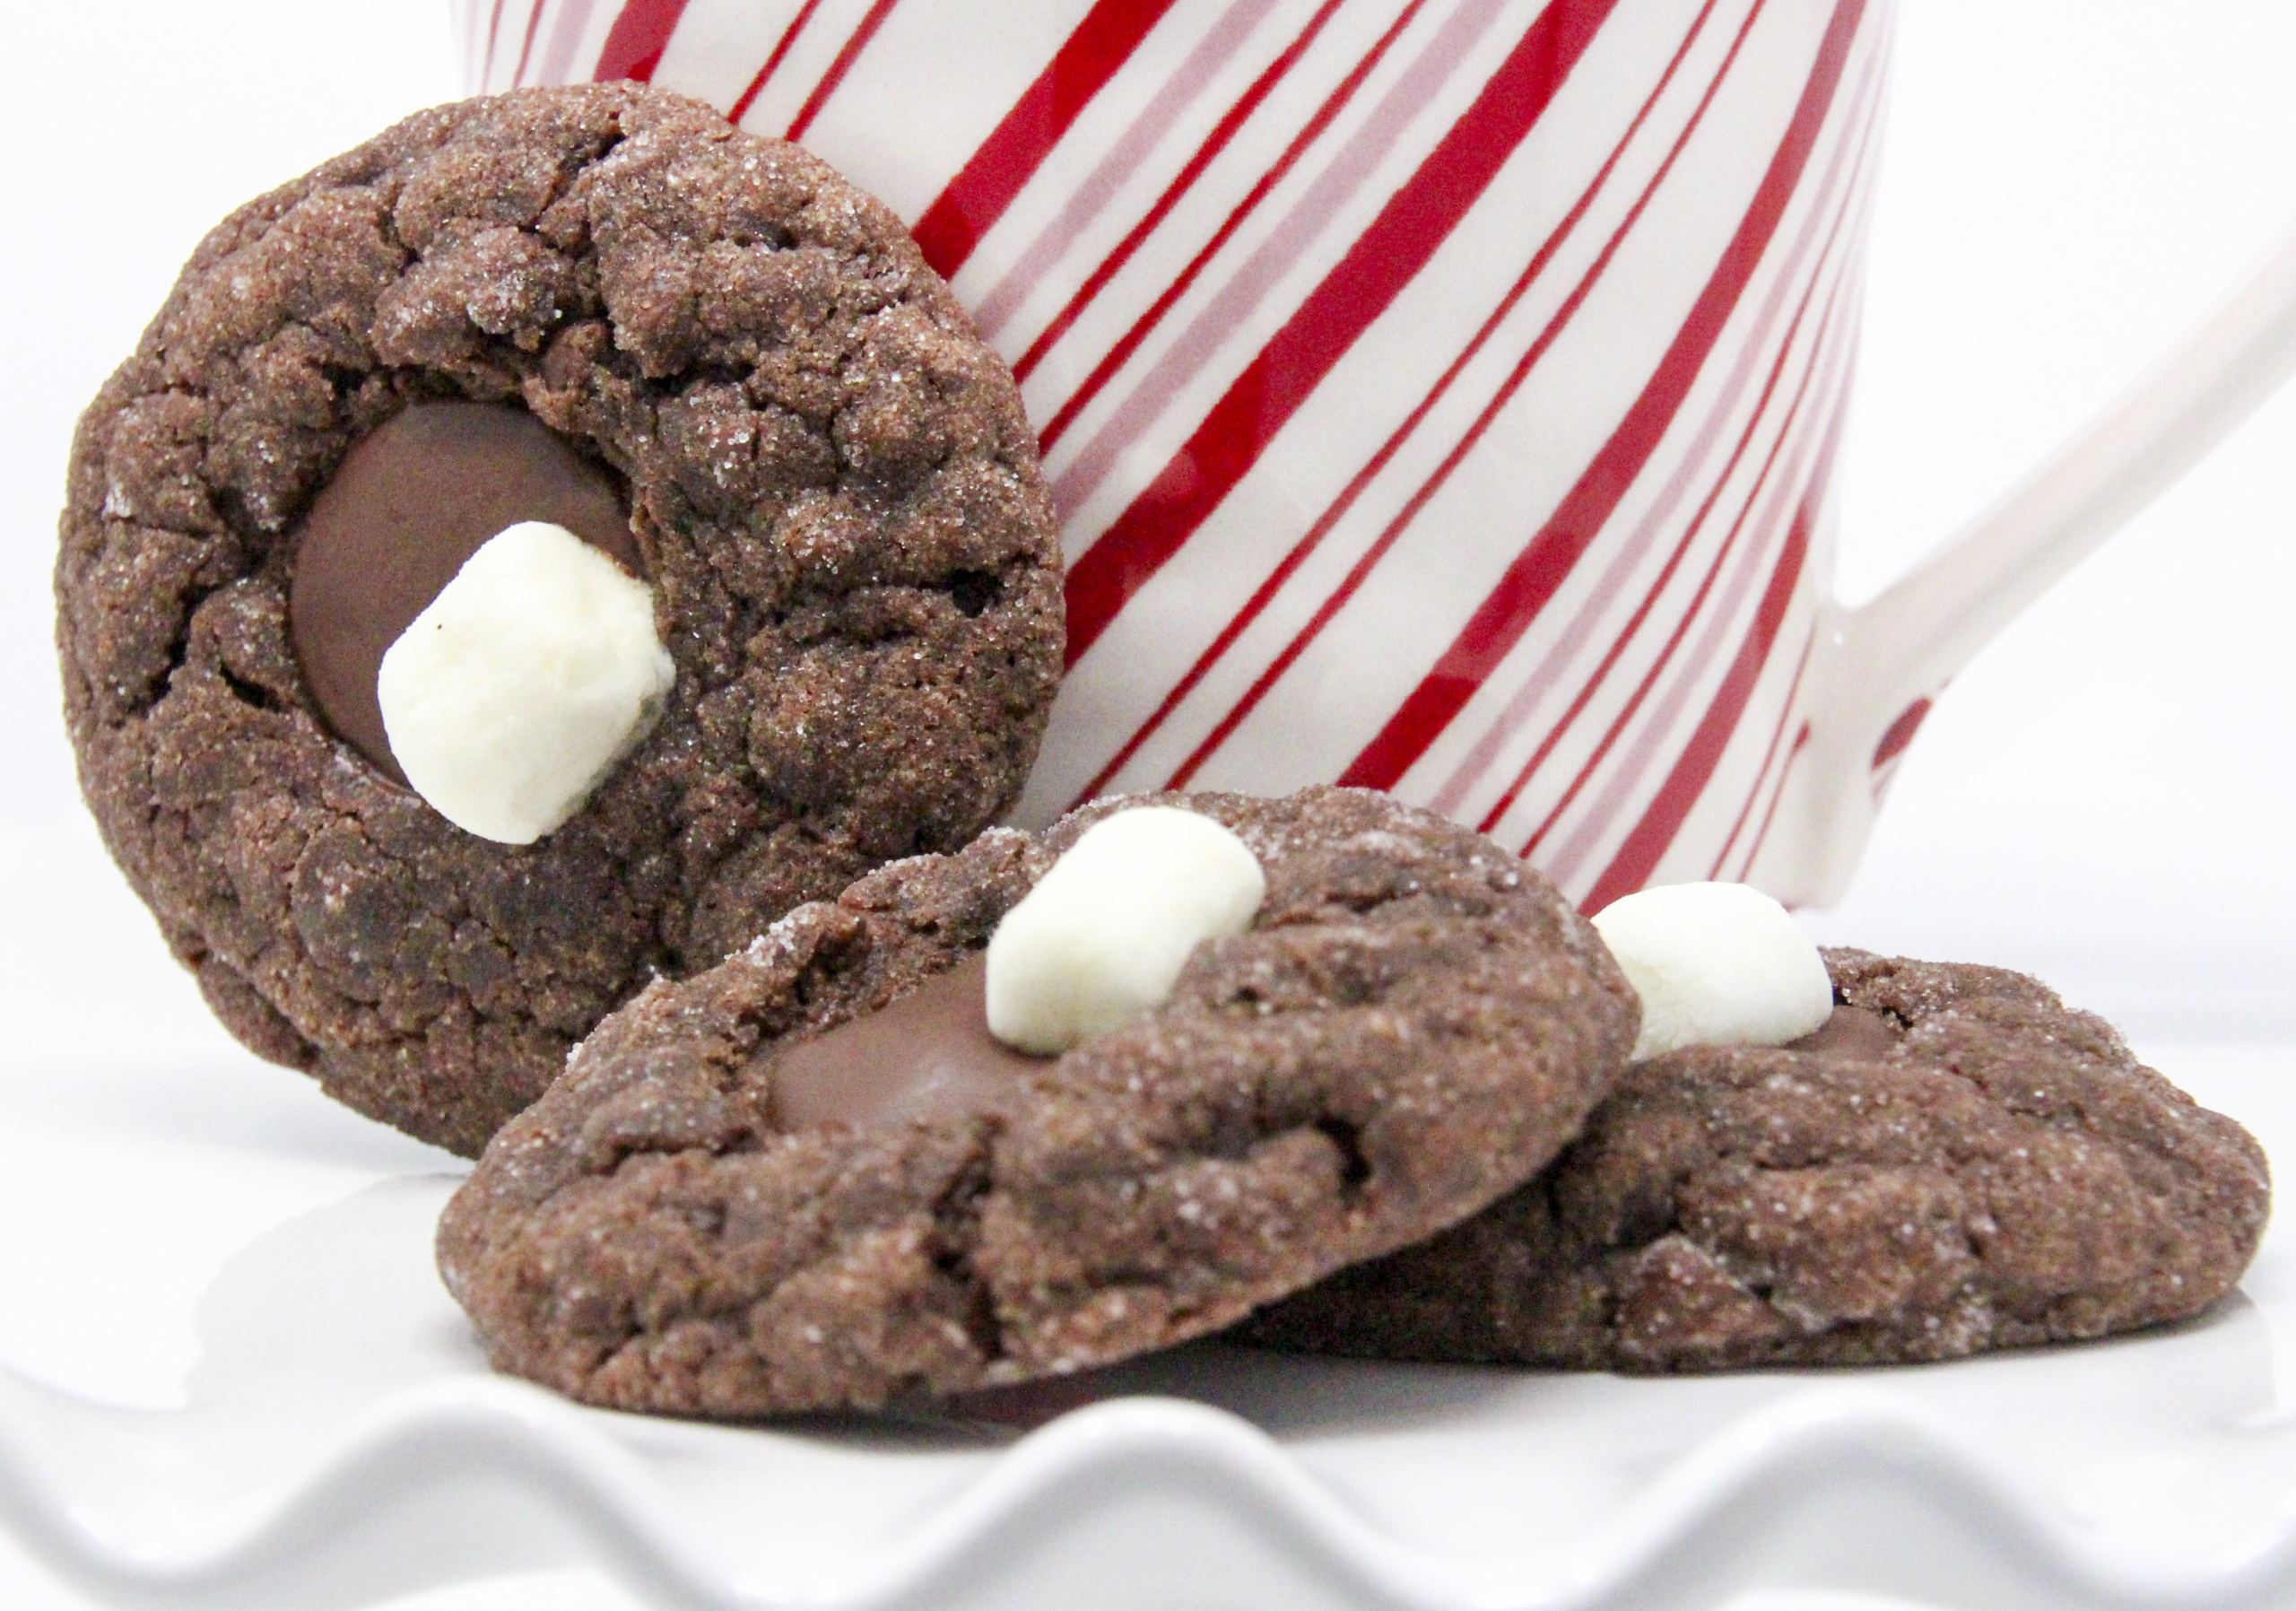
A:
{"points": [[2105, 797]]}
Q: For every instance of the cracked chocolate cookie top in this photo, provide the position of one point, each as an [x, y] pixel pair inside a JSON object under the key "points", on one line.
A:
{"points": [[1413, 1022], [826, 478], [1956, 1162]]}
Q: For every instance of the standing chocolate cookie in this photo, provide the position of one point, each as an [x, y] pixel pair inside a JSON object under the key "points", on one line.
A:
{"points": [[1955, 1161], [706, 356], [720, 1210]]}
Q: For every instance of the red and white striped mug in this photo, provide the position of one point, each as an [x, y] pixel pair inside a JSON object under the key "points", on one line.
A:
{"points": [[1439, 395]]}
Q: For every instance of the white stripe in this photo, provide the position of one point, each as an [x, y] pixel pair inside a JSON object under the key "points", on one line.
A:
{"points": [[915, 106], [1004, 262], [1668, 720], [568, 54], [1600, 819], [1339, 694], [1374, 386], [1344, 649], [719, 46], [1528, 692], [1603, 811], [493, 65], [1261, 276], [1054, 235], [466, 21]]}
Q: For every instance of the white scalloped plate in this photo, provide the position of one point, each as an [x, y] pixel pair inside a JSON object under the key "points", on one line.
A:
{"points": [[340, 1442]]}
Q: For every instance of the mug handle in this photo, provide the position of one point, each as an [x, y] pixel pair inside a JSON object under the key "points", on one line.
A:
{"points": [[1887, 660]]}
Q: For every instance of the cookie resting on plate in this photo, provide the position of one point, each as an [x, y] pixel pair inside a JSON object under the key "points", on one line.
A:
{"points": [[701, 352], [1954, 1161], [1413, 1022]]}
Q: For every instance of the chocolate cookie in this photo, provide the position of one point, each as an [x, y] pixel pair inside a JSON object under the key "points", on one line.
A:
{"points": [[1955, 1161], [1414, 1022], [699, 350]]}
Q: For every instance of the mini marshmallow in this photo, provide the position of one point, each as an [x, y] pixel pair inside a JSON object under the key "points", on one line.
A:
{"points": [[1107, 929], [510, 697], [1716, 964]]}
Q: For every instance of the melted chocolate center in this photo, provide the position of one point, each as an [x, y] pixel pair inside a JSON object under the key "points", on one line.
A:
{"points": [[929, 1055], [1854, 1032], [409, 504]]}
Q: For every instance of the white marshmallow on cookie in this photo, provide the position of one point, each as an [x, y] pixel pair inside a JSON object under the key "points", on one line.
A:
{"points": [[510, 698], [1716, 964], [1106, 931]]}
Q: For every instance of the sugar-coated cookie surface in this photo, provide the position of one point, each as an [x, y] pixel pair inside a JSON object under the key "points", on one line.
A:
{"points": [[750, 387], [1414, 1022], [1957, 1162]]}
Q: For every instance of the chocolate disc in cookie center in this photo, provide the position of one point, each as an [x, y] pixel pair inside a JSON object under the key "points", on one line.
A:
{"points": [[409, 503], [929, 1055]]}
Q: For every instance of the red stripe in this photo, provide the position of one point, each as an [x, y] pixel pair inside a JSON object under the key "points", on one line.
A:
{"points": [[1900, 734], [1690, 613], [852, 49], [1572, 635], [1625, 635], [1762, 774], [1754, 851], [1530, 582], [740, 108], [1009, 158], [1371, 557], [1631, 867], [493, 27], [1427, 489], [635, 43], [527, 46], [1416, 219], [1236, 116]]}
